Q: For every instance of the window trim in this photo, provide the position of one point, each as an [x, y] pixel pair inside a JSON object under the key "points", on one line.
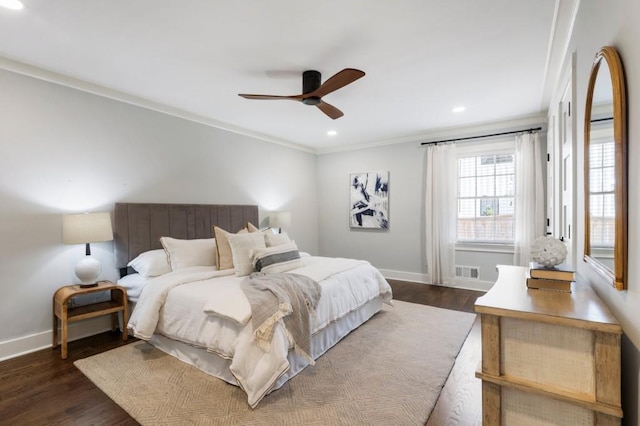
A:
{"points": [[485, 247], [476, 149]]}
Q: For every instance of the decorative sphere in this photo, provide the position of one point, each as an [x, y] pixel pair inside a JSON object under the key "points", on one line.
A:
{"points": [[548, 251]]}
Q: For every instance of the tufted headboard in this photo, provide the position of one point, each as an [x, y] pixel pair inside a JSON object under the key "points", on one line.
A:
{"points": [[138, 227]]}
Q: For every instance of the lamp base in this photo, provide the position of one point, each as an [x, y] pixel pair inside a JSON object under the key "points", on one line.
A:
{"points": [[88, 270], [88, 285]]}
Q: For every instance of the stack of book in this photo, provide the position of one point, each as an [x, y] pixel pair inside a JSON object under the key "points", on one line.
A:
{"points": [[557, 278]]}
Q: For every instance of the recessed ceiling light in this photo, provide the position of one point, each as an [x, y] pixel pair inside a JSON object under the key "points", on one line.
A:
{"points": [[458, 109], [12, 4], [332, 133]]}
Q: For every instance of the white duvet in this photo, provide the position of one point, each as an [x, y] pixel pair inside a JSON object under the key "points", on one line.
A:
{"points": [[207, 308]]}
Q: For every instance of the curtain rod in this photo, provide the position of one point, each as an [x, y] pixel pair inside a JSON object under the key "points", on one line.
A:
{"points": [[596, 120], [513, 132]]}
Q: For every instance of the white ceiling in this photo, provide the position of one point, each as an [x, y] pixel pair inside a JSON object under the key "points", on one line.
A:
{"points": [[192, 58]]}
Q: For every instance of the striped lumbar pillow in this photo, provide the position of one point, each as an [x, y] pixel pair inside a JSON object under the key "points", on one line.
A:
{"points": [[281, 258]]}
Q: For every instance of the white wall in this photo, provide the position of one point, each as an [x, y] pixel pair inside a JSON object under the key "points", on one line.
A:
{"points": [[616, 23], [62, 150], [399, 247], [398, 252]]}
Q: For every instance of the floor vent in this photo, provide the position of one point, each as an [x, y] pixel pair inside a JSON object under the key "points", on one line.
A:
{"points": [[470, 272]]}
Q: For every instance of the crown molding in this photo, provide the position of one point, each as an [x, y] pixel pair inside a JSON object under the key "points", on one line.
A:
{"points": [[564, 19], [451, 132], [99, 90]]}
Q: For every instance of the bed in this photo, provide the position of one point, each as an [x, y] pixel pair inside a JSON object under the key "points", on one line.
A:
{"points": [[204, 313]]}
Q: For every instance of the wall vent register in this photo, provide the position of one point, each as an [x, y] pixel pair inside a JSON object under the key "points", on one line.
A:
{"points": [[469, 272]]}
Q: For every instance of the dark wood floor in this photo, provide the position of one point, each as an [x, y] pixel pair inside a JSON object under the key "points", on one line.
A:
{"points": [[433, 295], [41, 389]]}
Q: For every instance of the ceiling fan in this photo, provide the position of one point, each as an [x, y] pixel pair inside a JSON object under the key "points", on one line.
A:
{"points": [[313, 90]]}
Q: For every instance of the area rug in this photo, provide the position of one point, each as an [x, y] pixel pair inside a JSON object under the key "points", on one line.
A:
{"points": [[389, 371]]}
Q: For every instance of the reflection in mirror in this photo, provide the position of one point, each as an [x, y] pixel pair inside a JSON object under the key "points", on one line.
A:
{"points": [[605, 168], [602, 206]]}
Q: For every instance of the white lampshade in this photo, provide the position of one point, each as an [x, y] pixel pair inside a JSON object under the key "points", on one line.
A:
{"points": [[85, 228], [280, 220]]}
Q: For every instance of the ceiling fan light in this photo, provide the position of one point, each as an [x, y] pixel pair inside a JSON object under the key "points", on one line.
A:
{"points": [[313, 91], [313, 100], [458, 109], [332, 133]]}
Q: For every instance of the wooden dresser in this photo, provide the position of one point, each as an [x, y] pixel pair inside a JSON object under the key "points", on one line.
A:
{"points": [[547, 357]]}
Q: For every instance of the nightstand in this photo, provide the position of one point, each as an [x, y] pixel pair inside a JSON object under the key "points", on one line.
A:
{"points": [[66, 312]]}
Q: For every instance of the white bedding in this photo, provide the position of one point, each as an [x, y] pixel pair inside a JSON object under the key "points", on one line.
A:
{"points": [[206, 308]]}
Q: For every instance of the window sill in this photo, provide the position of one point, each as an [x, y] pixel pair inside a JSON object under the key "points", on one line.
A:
{"points": [[485, 247]]}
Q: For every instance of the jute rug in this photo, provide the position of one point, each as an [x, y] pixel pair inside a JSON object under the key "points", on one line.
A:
{"points": [[387, 372]]}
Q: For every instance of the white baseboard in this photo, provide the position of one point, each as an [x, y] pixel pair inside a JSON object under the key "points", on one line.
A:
{"points": [[35, 342], [476, 285], [414, 277]]}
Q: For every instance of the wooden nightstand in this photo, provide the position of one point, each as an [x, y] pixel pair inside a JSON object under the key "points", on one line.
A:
{"points": [[67, 314]]}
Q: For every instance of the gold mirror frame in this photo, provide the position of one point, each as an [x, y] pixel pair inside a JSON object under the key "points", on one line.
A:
{"points": [[618, 275]]}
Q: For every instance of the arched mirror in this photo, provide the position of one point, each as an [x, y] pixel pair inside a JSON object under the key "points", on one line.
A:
{"points": [[605, 166]]}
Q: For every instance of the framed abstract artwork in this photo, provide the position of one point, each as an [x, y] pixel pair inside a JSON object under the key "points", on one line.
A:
{"points": [[369, 200]]}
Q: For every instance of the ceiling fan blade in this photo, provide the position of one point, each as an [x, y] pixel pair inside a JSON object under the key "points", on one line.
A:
{"points": [[271, 97], [341, 79], [330, 110]]}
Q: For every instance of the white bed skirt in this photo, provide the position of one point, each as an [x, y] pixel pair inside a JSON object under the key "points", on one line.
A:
{"points": [[322, 341]]}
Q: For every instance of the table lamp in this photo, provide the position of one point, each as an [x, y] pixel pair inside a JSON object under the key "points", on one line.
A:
{"points": [[280, 220], [86, 228]]}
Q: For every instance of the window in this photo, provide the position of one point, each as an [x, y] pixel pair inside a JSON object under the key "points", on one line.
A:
{"points": [[486, 202], [602, 204]]}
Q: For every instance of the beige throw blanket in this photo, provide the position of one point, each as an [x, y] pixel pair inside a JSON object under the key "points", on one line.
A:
{"points": [[291, 298]]}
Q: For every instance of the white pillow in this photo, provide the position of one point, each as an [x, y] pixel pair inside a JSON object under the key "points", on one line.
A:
{"points": [[282, 258], [273, 240], [185, 253], [134, 283], [241, 247], [151, 263]]}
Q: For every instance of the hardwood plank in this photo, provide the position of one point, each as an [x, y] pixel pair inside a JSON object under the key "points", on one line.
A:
{"points": [[433, 295], [41, 388], [460, 402]]}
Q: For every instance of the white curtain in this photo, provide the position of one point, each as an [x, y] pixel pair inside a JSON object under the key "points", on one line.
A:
{"points": [[441, 212], [529, 208]]}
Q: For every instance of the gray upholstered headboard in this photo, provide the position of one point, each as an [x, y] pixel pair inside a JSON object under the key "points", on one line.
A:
{"points": [[138, 227]]}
